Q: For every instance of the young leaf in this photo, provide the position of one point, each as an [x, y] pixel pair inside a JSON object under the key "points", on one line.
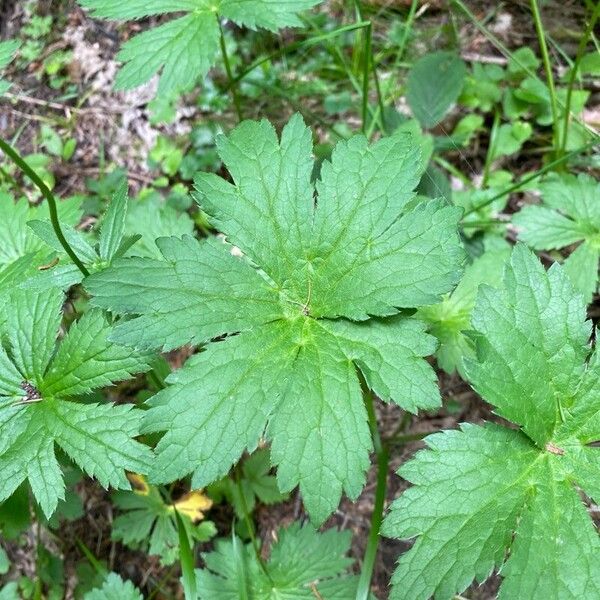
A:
{"points": [[114, 587], [35, 413], [570, 213], [481, 494], [450, 319], [184, 49], [433, 86], [303, 564], [306, 269], [7, 52], [148, 522]]}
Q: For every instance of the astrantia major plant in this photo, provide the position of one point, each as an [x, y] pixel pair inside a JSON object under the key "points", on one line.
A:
{"points": [[303, 564], [488, 498], [39, 386], [569, 214], [306, 291], [184, 48]]}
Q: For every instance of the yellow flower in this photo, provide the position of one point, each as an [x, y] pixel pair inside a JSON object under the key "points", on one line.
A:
{"points": [[193, 504]]}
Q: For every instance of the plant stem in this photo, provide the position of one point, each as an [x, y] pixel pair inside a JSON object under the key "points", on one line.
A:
{"points": [[539, 27], [297, 45], [364, 582], [369, 62], [365, 85], [232, 82], [489, 157], [399, 56], [18, 160], [186, 560], [544, 169], [574, 69], [250, 526]]}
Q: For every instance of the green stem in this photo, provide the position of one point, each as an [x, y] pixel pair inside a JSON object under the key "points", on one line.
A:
{"points": [[539, 27], [250, 527], [365, 84], [442, 162], [386, 96], [18, 160], [574, 69], [366, 573], [380, 114], [489, 158], [369, 60], [232, 82], [535, 175], [297, 45], [186, 560]]}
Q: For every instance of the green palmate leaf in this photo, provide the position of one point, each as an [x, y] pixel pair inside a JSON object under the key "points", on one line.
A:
{"points": [[303, 564], [137, 9], [114, 587], [450, 320], [433, 86], [482, 494], [569, 213], [305, 270], [35, 414], [14, 274], [7, 52], [184, 49]]}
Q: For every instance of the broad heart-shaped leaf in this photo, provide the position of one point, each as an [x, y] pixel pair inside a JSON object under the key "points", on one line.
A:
{"points": [[183, 49], [36, 414], [433, 86], [450, 320], [306, 269], [482, 494], [569, 213], [303, 564]]}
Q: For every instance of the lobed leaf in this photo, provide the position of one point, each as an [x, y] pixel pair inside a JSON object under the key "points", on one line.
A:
{"points": [[34, 416], [287, 367], [492, 498]]}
